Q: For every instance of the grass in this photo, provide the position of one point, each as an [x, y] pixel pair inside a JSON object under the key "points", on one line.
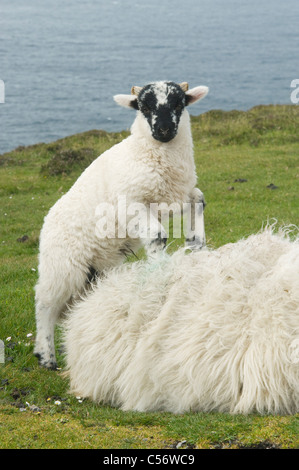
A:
{"points": [[260, 146]]}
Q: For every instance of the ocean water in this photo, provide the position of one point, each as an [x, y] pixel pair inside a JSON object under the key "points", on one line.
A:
{"points": [[62, 62]]}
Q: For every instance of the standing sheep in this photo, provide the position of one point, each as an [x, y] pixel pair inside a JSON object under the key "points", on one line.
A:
{"points": [[154, 164], [206, 331]]}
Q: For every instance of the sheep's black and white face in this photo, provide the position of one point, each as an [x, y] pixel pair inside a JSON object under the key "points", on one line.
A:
{"points": [[162, 104]]}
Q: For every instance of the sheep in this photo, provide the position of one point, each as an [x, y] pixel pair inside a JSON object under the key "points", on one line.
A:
{"points": [[154, 165], [210, 330]]}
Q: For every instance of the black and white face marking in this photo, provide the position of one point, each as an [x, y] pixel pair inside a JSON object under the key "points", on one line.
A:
{"points": [[162, 104]]}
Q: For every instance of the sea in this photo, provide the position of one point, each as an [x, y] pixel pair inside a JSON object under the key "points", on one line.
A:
{"points": [[61, 62]]}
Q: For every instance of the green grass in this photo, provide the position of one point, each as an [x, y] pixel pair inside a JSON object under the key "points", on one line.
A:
{"points": [[260, 146]]}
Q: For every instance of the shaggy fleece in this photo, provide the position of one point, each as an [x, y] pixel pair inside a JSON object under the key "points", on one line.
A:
{"points": [[213, 330]]}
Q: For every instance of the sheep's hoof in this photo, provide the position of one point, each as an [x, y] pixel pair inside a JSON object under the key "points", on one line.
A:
{"points": [[51, 365], [156, 246], [194, 243], [158, 243]]}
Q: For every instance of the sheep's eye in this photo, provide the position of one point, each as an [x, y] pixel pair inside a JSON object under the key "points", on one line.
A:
{"points": [[145, 109], [178, 108]]}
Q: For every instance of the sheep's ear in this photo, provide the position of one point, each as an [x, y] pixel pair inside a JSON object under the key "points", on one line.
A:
{"points": [[128, 101], [196, 94]]}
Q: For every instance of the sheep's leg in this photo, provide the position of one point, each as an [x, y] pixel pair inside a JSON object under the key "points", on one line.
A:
{"points": [[195, 237], [156, 240], [154, 246], [54, 290], [151, 232], [44, 350]]}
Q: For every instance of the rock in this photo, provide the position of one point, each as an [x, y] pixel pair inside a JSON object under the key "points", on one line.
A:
{"points": [[34, 408], [23, 239], [180, 444]]}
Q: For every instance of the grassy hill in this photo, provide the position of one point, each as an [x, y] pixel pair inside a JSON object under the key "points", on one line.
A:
{"points": [[248, 169]]}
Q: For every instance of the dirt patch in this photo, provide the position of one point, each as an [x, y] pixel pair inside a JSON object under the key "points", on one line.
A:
{"points": [[260, 445], [266, 444]]}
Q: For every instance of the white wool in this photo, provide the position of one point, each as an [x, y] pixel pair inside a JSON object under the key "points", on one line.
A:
{"points": [[215, 330]]}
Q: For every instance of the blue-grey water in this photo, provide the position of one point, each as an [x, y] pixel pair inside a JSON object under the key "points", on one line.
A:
{"points": [[62, 61]]}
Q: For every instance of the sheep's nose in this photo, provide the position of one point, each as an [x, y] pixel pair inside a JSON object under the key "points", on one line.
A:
{"points": [[164, 131]]}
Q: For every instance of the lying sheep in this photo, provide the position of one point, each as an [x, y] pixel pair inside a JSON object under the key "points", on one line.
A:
{"points": [[153, 165], [206, 331]]}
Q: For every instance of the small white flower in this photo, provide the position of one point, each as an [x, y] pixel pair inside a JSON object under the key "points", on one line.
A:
{"points": [[29, 334], [57, 402], [33, 269], [8, 338]]}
